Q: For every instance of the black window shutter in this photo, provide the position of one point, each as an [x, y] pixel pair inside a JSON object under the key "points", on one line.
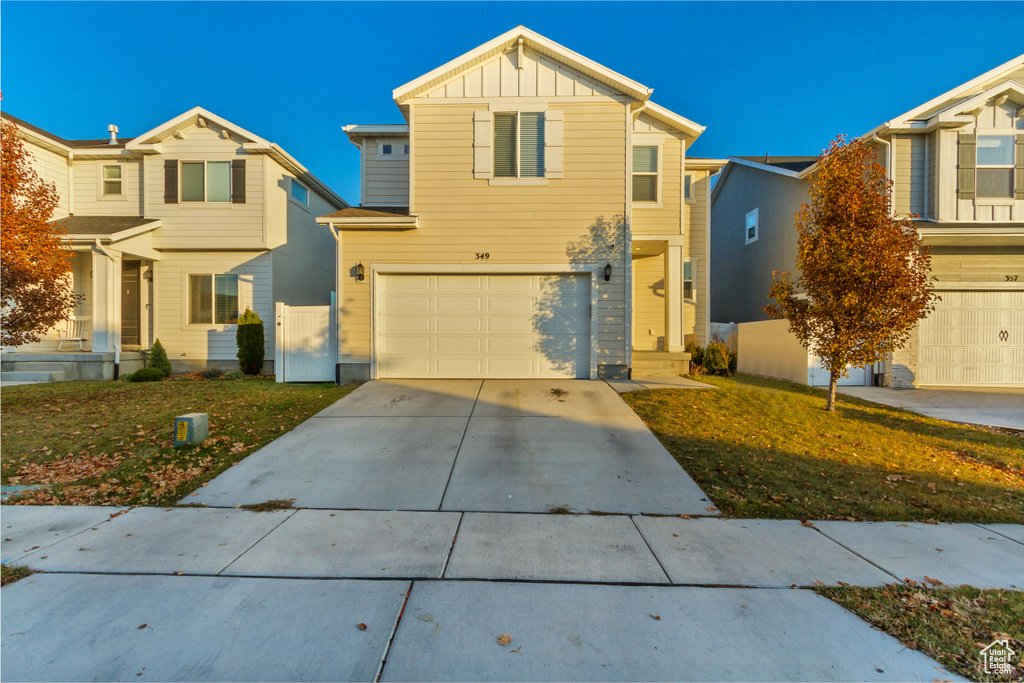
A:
{"points": [[238, 181], [171, 181]]}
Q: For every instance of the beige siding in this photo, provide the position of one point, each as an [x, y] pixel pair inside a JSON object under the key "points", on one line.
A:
{"points": [[387, 179], [932, 209], [200, 343], [977, 265], [501, 77], [649, 303], [696, 248], [577, 218], [909, 175], [196, 225], [661, 218], [52, 168], [89, 197]]}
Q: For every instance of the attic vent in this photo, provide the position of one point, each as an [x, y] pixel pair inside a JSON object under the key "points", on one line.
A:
{"points": [[112, 129]]}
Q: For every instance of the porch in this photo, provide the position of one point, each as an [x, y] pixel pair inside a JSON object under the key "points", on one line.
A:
{"points": [[664, 313]]}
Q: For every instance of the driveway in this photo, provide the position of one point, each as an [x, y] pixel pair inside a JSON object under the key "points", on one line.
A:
{"points": [[467, 446], [992, 407]]}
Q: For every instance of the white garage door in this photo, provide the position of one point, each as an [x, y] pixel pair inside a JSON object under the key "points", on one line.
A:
{"points": [[483, 326], [974, 338]]}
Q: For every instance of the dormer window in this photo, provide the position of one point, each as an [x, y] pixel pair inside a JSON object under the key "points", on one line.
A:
{"points": [[995, 166]]}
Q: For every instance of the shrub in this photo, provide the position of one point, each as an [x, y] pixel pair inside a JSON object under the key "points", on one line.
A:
{"points": [[716, 358], [158, 359], [235, 374], [211, 373], [249, 338], [696, 352], [145, 375]]}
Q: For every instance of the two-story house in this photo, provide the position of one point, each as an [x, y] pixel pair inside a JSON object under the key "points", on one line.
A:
{"points": [[957, 163], [175, 232], [535, 215]]}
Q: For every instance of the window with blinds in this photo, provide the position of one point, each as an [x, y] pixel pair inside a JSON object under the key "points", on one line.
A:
{"points": [[519, 145], [213, 299], [645, 173]]}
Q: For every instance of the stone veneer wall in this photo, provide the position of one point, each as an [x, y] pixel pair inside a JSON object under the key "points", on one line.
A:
{"points": [[901, 367]]}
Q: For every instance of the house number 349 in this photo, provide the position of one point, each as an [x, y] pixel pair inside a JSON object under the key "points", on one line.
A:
{"points": [[482, 256]]}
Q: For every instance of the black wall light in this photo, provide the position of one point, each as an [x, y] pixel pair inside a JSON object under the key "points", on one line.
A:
{"points": [[608, 272], [360, 273]]}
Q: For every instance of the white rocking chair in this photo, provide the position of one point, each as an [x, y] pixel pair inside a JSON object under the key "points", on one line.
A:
{"points": [[74, 330]]}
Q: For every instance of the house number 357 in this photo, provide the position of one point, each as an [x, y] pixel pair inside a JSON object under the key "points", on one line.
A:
{"points": [[482, 256], [1009, 278]]}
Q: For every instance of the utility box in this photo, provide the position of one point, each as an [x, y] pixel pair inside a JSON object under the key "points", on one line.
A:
{"points": [[191, 428]]}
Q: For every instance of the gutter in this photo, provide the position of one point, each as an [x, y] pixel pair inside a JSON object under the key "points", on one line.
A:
{"points": [[888, 166]]}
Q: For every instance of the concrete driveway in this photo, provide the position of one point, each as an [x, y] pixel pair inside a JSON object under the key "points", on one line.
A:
{"points": [[467, 446], [993, 407]]}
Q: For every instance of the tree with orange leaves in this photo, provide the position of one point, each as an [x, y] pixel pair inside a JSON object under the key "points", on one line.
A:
{"points": [[35, 263], [863, 280]]}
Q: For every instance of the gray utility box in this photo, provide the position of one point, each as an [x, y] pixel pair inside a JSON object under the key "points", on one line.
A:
{"points": [[191, 428]]}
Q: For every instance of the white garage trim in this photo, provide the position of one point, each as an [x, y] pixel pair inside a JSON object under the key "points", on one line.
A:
{"points": [[383, 269]]}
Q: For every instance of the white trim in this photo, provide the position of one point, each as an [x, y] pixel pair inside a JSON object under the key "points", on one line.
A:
{"points": [[122, 196], [746, 227], [949, 286], [673, 119], [658, 142], [186, 304]]}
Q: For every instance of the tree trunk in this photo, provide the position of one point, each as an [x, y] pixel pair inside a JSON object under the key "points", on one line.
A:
{"points": [[833, 380]]}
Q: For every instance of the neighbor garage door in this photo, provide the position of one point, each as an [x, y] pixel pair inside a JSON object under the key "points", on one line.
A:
{"points": [[483, 326], [974, 338]]}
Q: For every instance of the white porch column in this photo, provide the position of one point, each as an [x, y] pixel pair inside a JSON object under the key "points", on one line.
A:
{"points": [[106, 300], [674, 317]]}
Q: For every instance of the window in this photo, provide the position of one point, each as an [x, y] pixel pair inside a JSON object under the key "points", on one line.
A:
{"points": [[689, 291], [300, 193], [112, 180], [519, 145], [751, 227], [407, 150], [645, 173], [687, 186], [995, 166], [213, 299], [206, 181], [385, 150]]}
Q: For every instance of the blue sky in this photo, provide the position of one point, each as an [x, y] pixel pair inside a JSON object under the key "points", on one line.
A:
{"points": [[778, 78]]}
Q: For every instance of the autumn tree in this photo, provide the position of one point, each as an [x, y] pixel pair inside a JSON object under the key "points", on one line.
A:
{"points": [[35, 263], [863, 280]]}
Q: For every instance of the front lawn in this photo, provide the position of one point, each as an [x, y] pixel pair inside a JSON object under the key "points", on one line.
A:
{"points": [[111, 443], [951, 625], [766, 449]]}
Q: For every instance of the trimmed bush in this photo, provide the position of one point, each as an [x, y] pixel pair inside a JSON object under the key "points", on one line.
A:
{"points": [[212, 373], [716, 358], [235, 374], [145, 375], [249, 338], [158, 359]]}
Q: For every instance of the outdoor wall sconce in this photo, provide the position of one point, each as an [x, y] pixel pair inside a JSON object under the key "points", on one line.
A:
{"points": [[148, 275], [360, 273], [608, 272]]}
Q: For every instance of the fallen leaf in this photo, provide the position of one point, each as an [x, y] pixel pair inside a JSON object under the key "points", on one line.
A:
{"points": [[685, 516], [516, 650], [142, 627], [932, 581], [362, 627], [656, 617], [179, 573], [504, 639]]}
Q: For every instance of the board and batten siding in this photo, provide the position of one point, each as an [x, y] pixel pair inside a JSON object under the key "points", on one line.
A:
{"points": [[89, 197], [201, 345], [199, 225], [52, 168], [575, 219], [386, 178]]}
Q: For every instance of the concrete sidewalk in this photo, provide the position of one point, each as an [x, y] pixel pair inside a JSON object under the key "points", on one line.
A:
{"points": [[992, 407], [217, 594]]}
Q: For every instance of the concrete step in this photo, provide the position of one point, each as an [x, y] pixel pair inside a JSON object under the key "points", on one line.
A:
{"points": [[660, 355], [31, 376], [36, 366], [639, 373], [659, 363]]}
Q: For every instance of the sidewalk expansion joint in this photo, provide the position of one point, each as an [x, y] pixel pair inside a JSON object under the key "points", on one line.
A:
{"points": [[469, 418], [394, 631], [998, 533], [653, 554], [451, 548], [854, 552], [276, 527]]}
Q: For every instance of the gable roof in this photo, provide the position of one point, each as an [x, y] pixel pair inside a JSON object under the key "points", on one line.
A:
{"points": [[535, 41], [788, 166], [59, 143]]}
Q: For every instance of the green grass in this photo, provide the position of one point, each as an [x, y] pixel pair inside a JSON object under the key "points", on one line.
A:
{"points": [[111, 443], [767, 449], [9, 575], [951, 625]]}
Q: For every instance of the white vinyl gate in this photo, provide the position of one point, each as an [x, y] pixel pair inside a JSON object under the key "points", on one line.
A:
{"points": [[306, 343]]}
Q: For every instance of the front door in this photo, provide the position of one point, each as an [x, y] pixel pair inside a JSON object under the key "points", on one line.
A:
{"points": [[130, 301]]}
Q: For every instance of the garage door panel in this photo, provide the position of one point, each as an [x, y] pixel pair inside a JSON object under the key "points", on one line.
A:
{"points": [[974, 337], [406, 304], [411, 283], [485, 326]]}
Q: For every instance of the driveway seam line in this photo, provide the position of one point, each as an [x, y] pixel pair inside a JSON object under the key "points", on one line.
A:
{"points": [[854, 552], [994, 531], [472, 410], [394, 632], [92, 527], [653, 554], [275, 528], [451, 549]]}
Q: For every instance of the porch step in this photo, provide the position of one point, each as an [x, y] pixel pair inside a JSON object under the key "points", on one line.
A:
{"points": [[659, 364], [39, 366], [31, 376]]}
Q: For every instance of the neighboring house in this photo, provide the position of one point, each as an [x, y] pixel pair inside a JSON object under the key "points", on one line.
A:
{"points": [[957, 162], [535, 216], [175, 233]]}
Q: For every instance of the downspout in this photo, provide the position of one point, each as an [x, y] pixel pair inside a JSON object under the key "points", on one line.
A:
{"points": [[888, 168], [117, 347], [334, 303]]}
